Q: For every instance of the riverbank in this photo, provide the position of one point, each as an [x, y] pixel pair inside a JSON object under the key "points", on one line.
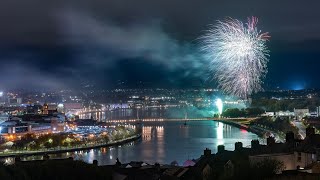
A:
{"points": [[62, 149], [254, 129], [259, 132]]}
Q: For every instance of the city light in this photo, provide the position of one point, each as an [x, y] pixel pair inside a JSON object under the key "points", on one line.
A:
{"points": [[219, 105]]}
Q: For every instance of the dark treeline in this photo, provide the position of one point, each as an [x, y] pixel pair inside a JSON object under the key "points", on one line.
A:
{"points": [[281, 124], [286, 104], [248, 112]]}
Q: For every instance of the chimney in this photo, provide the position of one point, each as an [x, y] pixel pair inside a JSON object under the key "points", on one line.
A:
{"points": [[220, 148], [310, 131], [255, 144], [95, 162], [207, 152], [46, 157], [289, 136], [238, 146], [17, 159], [270, 141]]}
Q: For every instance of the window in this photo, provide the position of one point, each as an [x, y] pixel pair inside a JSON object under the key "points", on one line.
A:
{"points": [[299, 156]]}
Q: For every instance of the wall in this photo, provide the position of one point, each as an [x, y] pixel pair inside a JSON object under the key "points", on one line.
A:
{"points": [[290, 160]]}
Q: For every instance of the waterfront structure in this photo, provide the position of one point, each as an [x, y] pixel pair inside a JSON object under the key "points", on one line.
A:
{"points": [[30, 123]]}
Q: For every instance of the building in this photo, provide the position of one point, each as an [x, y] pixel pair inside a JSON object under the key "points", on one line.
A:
{"points": [[72, 107], [313, 114], [4, 117], [300, 113], [285, 113], [270, 114], [15, 101], [2, 98], [60, 108], [19, 128], [32, 123], [49, 109], [294, 154], [33, 109], [291, 160]]}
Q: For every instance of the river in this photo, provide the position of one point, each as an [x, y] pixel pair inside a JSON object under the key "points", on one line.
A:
{"points": [[166, 141]]}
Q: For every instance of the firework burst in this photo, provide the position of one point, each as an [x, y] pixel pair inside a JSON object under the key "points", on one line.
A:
{"points": [[238, 55]]}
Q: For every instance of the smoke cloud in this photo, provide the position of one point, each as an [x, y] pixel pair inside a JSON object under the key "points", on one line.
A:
{"points": [[103, 42]]}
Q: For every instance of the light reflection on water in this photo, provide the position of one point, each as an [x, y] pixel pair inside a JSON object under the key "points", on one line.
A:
{"points": [[165, 142]]}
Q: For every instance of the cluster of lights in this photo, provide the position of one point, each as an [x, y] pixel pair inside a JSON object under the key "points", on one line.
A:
{"points": [[151, 120], [124, 120]]}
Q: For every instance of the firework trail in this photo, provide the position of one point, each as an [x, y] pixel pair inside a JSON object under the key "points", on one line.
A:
{"points": [[238, 55]]}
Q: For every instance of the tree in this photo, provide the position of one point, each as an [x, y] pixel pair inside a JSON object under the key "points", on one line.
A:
{"points": [[253, 112], [266, 168], [233, 112], [28, 138]]}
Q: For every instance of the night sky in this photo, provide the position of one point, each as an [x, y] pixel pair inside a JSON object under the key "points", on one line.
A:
{"points": [[63, 44]]}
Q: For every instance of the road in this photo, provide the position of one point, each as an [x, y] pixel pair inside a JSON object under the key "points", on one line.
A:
{"points": [[301, 127]]}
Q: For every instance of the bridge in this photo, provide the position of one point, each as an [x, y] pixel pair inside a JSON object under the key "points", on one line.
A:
{"points": [[233, 120], [79, 112]]}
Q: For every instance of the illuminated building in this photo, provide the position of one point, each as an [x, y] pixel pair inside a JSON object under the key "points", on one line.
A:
{"points": [[60, 108], [45, 109], [3, 118], [300, 113], [15, 101], [49, 109], [72, 107], [34, 109], [285, 113], [2, 98], [270, 114], [16, 126]]}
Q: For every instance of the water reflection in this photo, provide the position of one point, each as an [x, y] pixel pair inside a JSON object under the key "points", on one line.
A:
{"points": [[220, 130], [165, 142], [124, 113]]}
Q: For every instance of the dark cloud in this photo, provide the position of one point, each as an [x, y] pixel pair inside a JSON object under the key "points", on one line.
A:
{"points": [[69, 42], [34, 21]]}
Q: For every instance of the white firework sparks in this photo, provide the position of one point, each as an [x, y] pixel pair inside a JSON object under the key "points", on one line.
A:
{"points": [[238, 55]]}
